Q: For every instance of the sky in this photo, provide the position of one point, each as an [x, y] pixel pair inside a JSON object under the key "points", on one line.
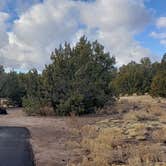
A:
{"points": [[31, 29]]}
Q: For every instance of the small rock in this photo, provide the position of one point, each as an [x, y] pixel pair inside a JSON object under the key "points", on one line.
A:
{"points": [[3, 111]]}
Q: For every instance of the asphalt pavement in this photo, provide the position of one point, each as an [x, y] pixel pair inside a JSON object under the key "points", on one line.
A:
{"points": [[15, 148]]}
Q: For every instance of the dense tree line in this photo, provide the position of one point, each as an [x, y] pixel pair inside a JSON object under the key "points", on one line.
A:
{"points": [[141, 78], [11, 86], [81, 79]]}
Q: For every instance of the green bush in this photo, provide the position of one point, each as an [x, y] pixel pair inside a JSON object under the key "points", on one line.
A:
{"points": [[78, 79], [158, 87], [31, 105]]}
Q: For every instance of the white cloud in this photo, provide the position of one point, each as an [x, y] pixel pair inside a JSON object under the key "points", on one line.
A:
{"points": [[158, 35], [163, 42], [161, 35], [44, 26], [38, 31], [161, 22], [3, 34], [110, 14], [117, 22]]}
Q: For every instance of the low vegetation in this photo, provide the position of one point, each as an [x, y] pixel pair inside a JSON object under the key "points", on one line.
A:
{"points": [[134, 137]]}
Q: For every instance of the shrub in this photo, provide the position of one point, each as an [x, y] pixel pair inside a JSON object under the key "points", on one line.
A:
{"points": [[78, 79], [158, 87], [33, 106]]}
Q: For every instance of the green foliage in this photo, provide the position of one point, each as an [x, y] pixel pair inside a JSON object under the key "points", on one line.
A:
{"points": [[134, 77], [78, 78], [164, 59], [35, 97], [10, 87], [13, 88], [3, 80], [128, 79], [158, 87], [81, 79], [31, 105]]}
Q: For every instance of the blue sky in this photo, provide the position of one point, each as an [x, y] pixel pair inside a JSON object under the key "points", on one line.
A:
{"points": [[31, 29]]}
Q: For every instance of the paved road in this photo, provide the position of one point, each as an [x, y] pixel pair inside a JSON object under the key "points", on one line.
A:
{"points": [[15, 149]]}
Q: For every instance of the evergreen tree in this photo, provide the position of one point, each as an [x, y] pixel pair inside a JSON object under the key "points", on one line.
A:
{"points": [[78, 78], [158, 87]]}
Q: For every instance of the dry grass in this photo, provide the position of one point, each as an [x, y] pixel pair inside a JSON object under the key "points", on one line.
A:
{"points": [[89, 131], [144, 116], [46, 111], [159, 135], [136, 137], [73, 121], [146, 155]]}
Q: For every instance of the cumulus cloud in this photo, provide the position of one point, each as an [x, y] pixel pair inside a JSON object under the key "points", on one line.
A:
{"points": [[38, 30], [45, 25], [3, 33], [161, 22], [161, 35], [42, 27], [3, 36], [117, 22]]}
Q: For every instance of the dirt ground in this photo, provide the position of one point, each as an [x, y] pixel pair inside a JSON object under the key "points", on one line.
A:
{"points": [[50, 134], [47, 136]]}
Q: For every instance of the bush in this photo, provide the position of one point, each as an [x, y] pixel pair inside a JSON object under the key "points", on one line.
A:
{"points": [[158, 87], [33, 106], [78, 79], [72, 105]]}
